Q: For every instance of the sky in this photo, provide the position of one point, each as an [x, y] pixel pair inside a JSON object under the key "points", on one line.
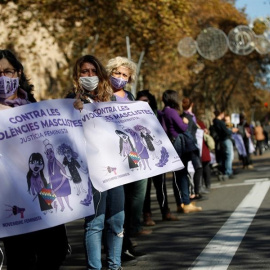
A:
{"points": [[255, 8]]}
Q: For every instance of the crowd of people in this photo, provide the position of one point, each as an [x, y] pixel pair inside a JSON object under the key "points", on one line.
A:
{"points": [[123, 212]]}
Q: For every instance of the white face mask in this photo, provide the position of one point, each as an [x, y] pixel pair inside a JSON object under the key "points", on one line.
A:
{"points": [[8, 86], [89, 83]]}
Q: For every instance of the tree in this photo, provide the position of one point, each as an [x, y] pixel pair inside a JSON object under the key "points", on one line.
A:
{"points": [[155, 26]]}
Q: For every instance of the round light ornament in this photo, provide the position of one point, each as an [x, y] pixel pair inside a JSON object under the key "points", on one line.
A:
{"points": [[187, 47], [241, 40], [212, 43], [262, 44]]}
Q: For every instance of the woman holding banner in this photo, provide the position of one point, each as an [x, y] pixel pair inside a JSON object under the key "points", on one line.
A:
{"points": [[44, 249], [122, 72], [91, 84]]}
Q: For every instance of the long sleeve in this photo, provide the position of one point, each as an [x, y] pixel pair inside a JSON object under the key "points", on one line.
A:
{"points": [[223, 131], [174, 122]]}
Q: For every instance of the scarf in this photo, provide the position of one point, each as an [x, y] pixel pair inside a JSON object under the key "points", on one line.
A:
{"points": [[22, 99]]}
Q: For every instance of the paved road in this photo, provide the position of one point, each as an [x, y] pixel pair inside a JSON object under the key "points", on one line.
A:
{"points": [[232, 231]]}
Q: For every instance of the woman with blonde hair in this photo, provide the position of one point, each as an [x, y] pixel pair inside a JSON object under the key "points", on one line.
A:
{"points": [[122, 71]]}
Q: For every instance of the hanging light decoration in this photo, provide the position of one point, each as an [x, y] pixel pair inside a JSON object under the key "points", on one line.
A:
{"points": [[187, 47], [241, 40], [212, 43]]}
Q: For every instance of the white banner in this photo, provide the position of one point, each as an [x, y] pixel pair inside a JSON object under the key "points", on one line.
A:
{"points": [[125, 143], [43, 162], [43, 168], [199, 138], [235, 119]]}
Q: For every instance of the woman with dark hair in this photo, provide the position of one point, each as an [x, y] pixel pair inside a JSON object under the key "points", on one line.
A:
{"points": [[30, 250], [91, 84], [187, 105], [224, 154], [174, 126], [12, 73], [145, 95], [159, 181], [91, 81]]}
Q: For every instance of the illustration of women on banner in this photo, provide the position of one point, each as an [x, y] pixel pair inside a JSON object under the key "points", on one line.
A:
{"points": [[141, 148], [71, 161], [58, 177], [148, 140], [37, 183], [127, 149]]}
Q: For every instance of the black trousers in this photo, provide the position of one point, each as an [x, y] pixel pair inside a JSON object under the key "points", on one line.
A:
{"points": [[159, 182], [40, 250]]}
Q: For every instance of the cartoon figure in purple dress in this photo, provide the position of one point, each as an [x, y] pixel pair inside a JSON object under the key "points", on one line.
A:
{"points": [[148, 139], [58, 177], [37, 183], [141, 149], [71, 161], [127, 150]]}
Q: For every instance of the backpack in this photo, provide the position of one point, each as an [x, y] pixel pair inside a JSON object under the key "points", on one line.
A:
{"points": [[209, 140]]}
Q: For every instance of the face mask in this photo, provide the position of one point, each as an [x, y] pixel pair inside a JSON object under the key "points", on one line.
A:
{"points": [[118, 83], [8, 86], [89, 83]]}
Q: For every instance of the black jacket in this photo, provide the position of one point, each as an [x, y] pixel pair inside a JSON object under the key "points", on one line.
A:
{"points": [[223, 132]]}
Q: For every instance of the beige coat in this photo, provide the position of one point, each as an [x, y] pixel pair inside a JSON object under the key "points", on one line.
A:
{"points": [[259, 136]]}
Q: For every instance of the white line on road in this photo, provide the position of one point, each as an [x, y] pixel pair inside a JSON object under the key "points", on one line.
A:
{"points": [[256, 180], [218, 254], [245, 183], [219, 185], [262, 169], [230, 185]]}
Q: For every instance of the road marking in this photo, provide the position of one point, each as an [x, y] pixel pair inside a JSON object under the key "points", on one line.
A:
{"points": [[256, 180], [230, 185], [262, 169], [245, 183], [219, 185], [218, 254]]}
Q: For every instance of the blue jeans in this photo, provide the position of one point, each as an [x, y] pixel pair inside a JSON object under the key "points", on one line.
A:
{"points": [[109, 217], [227, 159]]}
